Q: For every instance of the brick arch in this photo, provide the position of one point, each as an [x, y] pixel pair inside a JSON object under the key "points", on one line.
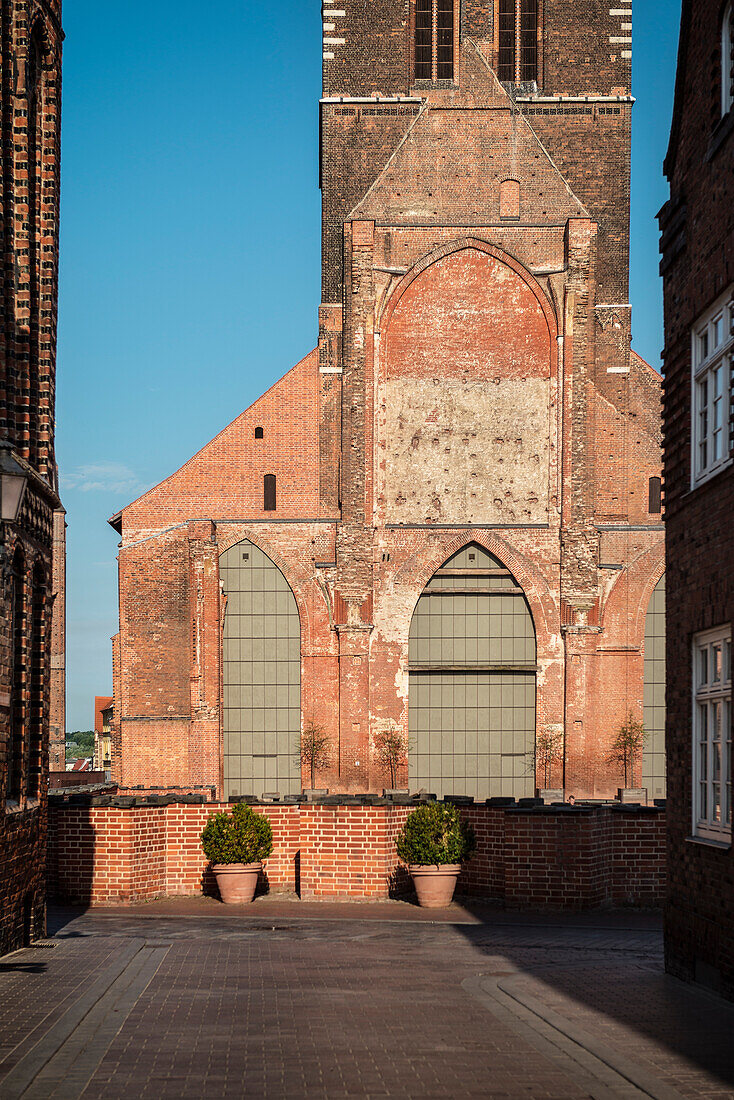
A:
{"points": [[423, 564], [467, 337], [43, 29], [631, 592], [296, 585], [459, 245]]}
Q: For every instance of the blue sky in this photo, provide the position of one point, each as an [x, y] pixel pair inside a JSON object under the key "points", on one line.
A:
{"points": [[190, 249]]}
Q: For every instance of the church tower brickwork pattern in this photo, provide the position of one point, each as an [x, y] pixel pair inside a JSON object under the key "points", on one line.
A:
{"points": [[457, 486], [30, 106]]}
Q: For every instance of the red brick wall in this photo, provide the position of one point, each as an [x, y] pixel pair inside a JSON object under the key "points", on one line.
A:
{"points": [[697, 225], [572, 859]]}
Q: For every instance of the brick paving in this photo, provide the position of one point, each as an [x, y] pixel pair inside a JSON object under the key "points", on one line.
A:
{"points": [[278, 999]]}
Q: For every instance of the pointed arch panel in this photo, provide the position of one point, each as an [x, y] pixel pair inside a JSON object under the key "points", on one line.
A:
{"points": [[472, 655], [261, 675], [653, 754]]}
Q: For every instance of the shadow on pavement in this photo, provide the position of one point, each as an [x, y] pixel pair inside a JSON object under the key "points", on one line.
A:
{"points": [[596, 971]]}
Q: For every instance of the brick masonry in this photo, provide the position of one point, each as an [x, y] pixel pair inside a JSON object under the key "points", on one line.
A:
{"points": [[30, 88], [697, 245], [473, 382], [105, 851]]}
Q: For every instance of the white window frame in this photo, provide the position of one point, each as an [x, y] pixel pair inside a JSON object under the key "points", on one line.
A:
{"points": [[727, 69], [712, 358], [712, 789]]}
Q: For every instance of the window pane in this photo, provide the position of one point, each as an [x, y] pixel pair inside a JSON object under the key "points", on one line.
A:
{"points": [[528, 40], [445, 40], [716, 761], [716, 803], [716, 662], [423, 40], [716, 331], [702, 802], [703, 664], [703, 346], [506, 62]]}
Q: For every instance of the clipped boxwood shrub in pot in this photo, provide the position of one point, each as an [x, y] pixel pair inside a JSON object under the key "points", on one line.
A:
{"points": [[236, 844], [434, 842]]}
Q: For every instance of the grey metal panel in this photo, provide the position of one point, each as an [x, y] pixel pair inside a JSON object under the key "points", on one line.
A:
{"points": [[472, 730], [261, 675], [653, 755]]}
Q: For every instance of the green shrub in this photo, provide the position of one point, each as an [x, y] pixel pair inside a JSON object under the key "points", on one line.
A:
{"points": [[435, 834], [240, 837]]}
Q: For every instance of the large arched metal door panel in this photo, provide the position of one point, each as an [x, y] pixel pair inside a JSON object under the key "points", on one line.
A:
{"points": [[472, 681], [261, 675], [653, 753]]}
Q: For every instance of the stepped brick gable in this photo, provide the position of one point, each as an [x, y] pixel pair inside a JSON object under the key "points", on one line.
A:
{"points": [[442, 524]]}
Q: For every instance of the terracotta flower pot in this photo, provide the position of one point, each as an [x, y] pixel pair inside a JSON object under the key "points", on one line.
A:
{"points": [[435, 885], [236, 881]]}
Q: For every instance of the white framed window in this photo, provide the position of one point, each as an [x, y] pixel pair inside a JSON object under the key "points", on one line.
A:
{"points": [[712, 734], [712, 355], [727, 60]]}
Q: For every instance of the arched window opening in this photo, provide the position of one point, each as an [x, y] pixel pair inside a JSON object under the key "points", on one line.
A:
{"points": [[433, 40], [17, 701], [37, 692], [654, 496], [472, 660], [259, 433], [653, 752], [269, 494], [261, 662], [727, 60], [518, 41], [510, 199]]}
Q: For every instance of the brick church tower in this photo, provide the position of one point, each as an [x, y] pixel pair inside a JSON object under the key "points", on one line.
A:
{"points": [[30, 89], [443, 525]]}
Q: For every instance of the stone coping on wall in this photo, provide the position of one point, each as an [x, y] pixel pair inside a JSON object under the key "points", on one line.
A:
{"points": [[105, 795]]}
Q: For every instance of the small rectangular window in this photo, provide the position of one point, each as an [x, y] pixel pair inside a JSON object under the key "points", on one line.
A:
{"points": [[269, 504]]}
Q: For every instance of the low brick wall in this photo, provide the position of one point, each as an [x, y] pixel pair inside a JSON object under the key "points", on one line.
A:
{"points": [[105, 851]]}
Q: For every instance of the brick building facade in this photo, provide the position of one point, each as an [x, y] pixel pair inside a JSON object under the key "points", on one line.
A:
{"points": [[697, 244], [30, 88], [444, 522]]}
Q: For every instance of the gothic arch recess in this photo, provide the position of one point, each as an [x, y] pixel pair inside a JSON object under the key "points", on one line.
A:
{"points": [[261, 675], [653, 699], [472, 681], [467, 339]]}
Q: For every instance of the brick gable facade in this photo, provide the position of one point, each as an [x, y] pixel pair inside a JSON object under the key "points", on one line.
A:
{"points": [[473, 384]]}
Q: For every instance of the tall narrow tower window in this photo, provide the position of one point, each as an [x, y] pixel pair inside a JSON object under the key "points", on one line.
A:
{"points": [[433, 44], [727, 60], [269, 501], [518, 41]]}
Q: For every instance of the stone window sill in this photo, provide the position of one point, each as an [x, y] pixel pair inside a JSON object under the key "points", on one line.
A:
{"points": [[14, 807], [709, 842], [707, 478]]}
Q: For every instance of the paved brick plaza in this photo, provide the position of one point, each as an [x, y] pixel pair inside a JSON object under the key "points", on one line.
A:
{"points": [[284, 999]]}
